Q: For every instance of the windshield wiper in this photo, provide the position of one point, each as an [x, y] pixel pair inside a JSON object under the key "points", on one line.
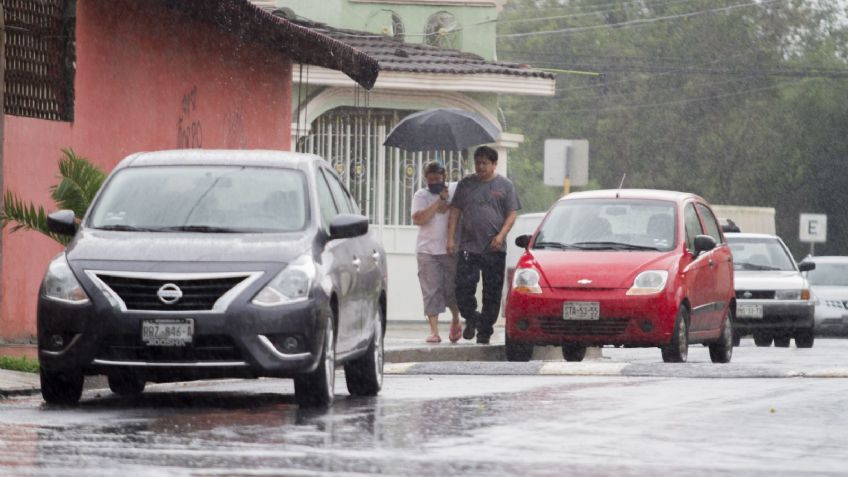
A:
{"points": [[559, 245], [198, 228], [125, 228], [754, 266], [612, 246]]}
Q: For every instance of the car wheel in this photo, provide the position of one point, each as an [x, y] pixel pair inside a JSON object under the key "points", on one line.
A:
{"points": [[722, 350], [316, 389], [782, 341], [517, 351], [126, 383], [737, 338], [805, 338], [364, 375], [61, 388], [678, 350], [573, 352], [762, 338]]}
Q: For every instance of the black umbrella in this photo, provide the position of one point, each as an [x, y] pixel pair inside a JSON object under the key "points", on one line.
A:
{"points": [[441, 130]]}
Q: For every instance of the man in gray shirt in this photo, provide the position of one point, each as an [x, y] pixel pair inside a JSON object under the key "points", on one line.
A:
{"points": [[484, 207]]}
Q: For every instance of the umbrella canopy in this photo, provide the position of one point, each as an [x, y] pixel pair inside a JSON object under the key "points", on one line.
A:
{"points": [[441, 130]]}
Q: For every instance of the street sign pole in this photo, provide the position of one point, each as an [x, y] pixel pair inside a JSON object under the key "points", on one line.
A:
{"points": [[812, 229]]}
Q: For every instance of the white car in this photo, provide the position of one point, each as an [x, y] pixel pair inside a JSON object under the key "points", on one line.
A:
{"points": [[829, 282], [773, 299]]}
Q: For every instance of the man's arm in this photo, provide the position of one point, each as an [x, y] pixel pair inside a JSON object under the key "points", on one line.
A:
{"points": [[423, 216], [453, 220], [498, 240]]}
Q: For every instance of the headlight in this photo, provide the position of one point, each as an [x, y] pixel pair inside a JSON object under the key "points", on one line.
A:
{"points": [[792, 294], [649, 282], [290, 285], [60, 284], [526, 280]]}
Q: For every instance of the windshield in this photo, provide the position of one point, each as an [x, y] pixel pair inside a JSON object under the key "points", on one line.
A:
{"points": [[829, 274], [203, 199], [760, 254], [609, 224]]}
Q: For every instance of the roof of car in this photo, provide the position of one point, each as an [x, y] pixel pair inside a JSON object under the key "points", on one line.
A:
{"points": [[632, 194], [749, 235], [219, 157]]}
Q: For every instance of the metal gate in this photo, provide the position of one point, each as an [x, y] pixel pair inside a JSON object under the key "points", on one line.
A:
{"points": [[382, 179]]}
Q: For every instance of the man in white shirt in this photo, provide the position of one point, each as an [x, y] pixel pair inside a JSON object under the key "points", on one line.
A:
{"points": [[436, 268]]}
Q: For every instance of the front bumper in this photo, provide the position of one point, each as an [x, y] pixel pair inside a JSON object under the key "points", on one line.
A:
{"points": [[830, 320], [778, 315], [624, 320], [97, 338]]}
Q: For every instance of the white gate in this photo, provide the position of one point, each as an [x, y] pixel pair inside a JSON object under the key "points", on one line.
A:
{"points": [[382, 179]]}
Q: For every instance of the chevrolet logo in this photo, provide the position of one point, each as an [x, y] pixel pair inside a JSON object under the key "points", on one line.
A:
{"points": [[584, 281]]}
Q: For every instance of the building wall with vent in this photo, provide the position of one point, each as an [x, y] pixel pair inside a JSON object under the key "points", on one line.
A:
{"points": [[131, 76]]}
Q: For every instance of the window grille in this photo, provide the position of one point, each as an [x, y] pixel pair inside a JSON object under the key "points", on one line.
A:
{"points": [[381, 179], [40, 58]]}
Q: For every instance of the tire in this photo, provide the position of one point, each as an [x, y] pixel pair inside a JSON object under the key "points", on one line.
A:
{"points": [[126, 383], [316, 389], [782, 341], [722, 350], [61, 388], [762, 339], [737, 339], [364, 375], [805, 338], [678, 350], [521, 352], [573, 352]]}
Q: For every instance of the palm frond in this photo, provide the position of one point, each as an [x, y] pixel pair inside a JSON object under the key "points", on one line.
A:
{"points": [[27, 217], [80, 181]]}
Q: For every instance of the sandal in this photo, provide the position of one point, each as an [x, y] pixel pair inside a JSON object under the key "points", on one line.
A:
{"points": [[455, 331], [434, 338]]}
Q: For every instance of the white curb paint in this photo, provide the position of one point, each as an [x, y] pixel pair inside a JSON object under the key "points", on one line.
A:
{"points": [[564, 368]]}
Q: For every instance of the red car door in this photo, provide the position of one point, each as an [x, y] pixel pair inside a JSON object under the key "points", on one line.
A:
{"points": [[697, 273], [721, 269]]}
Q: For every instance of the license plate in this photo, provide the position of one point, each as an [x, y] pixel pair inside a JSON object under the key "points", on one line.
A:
{"points": [[167, 332], [581, 310], [749, 311]]}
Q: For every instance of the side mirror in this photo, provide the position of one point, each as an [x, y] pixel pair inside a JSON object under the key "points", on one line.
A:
{"points": [[704, 243], [806, 266], [347, 226], [523, 240], [62, 222]]}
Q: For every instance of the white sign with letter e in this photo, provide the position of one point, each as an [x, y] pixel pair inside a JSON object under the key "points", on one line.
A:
{"points": [[813, 228]]}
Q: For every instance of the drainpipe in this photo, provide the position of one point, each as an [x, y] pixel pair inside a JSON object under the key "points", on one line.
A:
{"points": [[2, 139]]}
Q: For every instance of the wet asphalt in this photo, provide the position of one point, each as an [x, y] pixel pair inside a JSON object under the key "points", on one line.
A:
{"points": [[444, 424]]}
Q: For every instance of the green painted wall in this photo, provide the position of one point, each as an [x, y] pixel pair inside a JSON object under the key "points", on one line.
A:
{"points": [[476, 22]]}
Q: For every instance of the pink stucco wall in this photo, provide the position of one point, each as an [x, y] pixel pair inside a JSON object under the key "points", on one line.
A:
{"points": [[147, 78]]}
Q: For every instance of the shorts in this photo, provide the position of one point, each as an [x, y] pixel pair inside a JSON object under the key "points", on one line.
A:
{"points": [[437, 275]]}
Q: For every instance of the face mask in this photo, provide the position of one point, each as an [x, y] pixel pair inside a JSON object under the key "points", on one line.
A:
{"points": [[436, 188]]}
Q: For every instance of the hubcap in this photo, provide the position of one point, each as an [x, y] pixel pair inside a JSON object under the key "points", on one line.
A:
{"points": [[329, 359], [378, 349]]}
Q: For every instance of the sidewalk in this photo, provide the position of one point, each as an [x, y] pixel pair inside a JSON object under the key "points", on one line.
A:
{"points": [[404, 344]]}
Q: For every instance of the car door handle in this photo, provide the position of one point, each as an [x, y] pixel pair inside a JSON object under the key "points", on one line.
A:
{"points": [[356, 262]]}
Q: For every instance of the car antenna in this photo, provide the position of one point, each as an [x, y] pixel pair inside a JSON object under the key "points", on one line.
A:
{"points": [[620, 184]]}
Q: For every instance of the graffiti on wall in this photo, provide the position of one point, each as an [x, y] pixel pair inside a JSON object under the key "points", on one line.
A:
{"points": [[189, 129]]}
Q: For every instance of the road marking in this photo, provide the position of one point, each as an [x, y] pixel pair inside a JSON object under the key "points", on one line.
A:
{"points": [[564, 368], [397, 368]]}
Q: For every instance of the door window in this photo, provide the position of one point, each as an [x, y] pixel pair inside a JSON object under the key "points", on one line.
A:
{"points": [[325, 199], [340, 195], [693, 226], [710, 222]]}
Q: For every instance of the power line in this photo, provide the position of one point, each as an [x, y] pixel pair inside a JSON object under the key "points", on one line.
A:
{"points": [[589, 13], [638, 22]]}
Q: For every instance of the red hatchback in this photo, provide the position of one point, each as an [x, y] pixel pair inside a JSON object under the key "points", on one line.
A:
{"points": [[635, 268]]}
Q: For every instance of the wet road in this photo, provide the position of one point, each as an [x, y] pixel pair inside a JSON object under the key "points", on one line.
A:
{"points": [[450, 425]]}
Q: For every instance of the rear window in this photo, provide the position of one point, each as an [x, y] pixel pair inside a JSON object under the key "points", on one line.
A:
{"points": [[219, 198]]}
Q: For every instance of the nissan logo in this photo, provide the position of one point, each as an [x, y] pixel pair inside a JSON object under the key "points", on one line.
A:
{"points": [[747, 294], [169, 294]]}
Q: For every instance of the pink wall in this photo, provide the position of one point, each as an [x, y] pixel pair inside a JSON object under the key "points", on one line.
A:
{"points": [[147, 78]]}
